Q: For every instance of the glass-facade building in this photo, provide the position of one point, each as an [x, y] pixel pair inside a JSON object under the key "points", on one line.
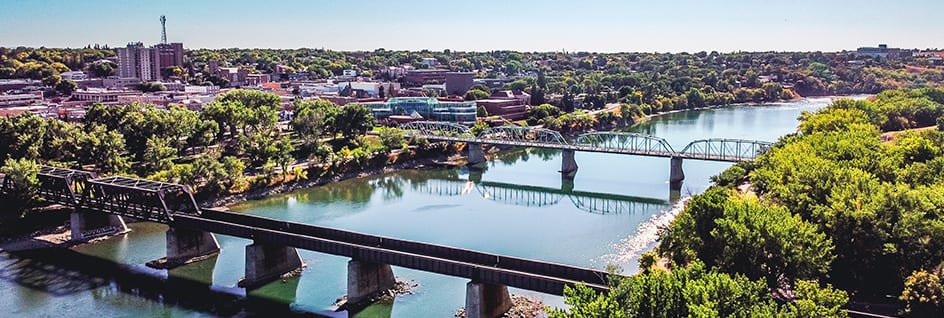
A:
{"points": [[428, 108]]}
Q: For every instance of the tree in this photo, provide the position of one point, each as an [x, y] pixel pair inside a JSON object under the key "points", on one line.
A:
{"points": [[24, 193], [172, 71], [539, 112], [252, 99], [66, 87], [354, 119], [537, 95], [102, 70], [741, 235], [104, 149], [567, 102], [474, 94], [283, 156], [52, 80], [158, 155], [392, 138], [813, 301], [313, 118], [148, 87], [924, 293]]}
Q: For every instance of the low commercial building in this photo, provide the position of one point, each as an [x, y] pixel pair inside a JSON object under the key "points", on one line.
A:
{"points": [[425, 76], [98, 95], [21, 99], [457, 83], [509, 109], [883, 51], [425, 108]]}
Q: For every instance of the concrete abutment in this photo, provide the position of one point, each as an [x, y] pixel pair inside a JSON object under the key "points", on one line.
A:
{"points": [[86, 225]]}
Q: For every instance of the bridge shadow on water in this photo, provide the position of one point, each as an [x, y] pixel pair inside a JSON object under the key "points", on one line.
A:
{"points": [[62, 272]]}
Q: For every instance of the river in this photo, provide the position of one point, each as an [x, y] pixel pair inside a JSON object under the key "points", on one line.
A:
{"points": [[518, 206]]}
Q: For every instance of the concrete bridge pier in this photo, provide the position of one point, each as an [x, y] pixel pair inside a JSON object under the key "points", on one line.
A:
{"points": [[267, 262], [365, 279], [676, 175], [184, 245], [483, 300], [86, 225], [568, 165], [476, 155]]}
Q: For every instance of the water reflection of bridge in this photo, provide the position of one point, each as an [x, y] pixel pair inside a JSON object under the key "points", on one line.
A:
{"points": [[537, 196]]}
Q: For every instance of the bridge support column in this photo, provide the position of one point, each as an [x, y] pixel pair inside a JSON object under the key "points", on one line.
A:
{"points": [[568, 165], [476, 155], [365, 279], [676, 175], [484, 300], [266, 262], [87, 225], [184, 245]]}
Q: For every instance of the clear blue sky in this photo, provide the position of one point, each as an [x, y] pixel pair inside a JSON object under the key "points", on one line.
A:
{"points": [[523, 25]]}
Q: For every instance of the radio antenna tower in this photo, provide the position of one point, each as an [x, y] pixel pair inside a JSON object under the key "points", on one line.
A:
{"points": [[163, 30]]}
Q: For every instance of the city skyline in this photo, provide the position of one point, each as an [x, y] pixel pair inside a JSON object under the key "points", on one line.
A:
{"points": [[595, 26]]}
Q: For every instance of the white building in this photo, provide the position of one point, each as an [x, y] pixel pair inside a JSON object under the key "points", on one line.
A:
{"points": [[20, 99], [74, 75], [430, 61], [202, 90], [350, 73]]}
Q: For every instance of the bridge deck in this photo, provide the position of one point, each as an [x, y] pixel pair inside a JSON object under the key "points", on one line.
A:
{"points": [[588, 148], [489, 268]]}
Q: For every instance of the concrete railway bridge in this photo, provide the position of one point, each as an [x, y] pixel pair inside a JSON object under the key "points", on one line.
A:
{"points": [[102, 203]]}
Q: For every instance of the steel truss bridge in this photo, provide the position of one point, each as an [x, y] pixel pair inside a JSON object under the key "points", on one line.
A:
{"points": [[173, 204], [714, 149], [535, 196]]}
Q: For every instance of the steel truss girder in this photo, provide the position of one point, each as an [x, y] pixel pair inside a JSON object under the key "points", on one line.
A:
{"points": [[629, 142], [60, 185], [521, 134], [436, 128], [143, 199], [725, 149]]}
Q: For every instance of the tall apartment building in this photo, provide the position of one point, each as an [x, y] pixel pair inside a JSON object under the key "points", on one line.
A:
{"points": [[146, 63]]}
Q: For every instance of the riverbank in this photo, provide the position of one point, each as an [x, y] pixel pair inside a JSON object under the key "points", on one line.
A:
{"points": [[254, 194]]}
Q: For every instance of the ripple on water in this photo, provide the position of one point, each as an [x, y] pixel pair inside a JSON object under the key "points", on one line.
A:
{"points": [[627, 251]]}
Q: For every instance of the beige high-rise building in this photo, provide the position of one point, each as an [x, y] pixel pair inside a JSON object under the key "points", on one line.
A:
{"points": [[146, 63]]}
